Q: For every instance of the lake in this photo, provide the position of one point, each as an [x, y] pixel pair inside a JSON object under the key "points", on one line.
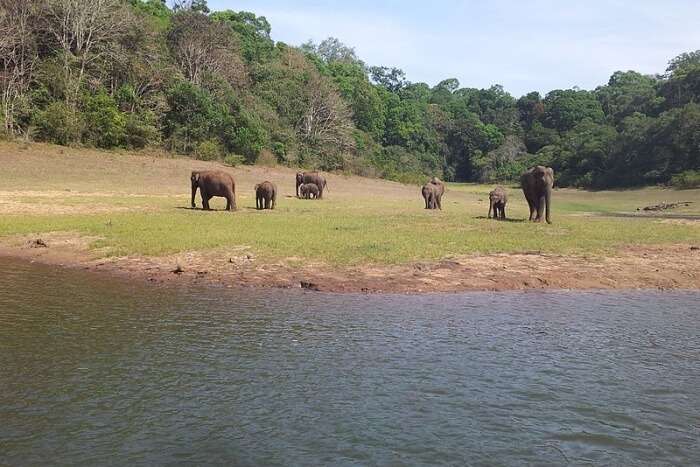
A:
{"points": [[99, 371]]}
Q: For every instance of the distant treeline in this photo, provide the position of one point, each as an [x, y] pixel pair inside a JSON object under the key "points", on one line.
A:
{"points": [[136, 73]]}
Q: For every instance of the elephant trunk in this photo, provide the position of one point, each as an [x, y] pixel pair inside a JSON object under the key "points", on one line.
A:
{"points": [[194, 192], [547, 202], [490, 207]]}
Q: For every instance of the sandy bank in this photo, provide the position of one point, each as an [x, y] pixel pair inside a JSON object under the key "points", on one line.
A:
{"points": [[638, 267]]}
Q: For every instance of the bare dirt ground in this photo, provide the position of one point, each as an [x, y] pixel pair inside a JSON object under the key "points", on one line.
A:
{"points": [[638, 267]]}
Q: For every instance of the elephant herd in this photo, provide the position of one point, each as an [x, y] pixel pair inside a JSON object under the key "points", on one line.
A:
{"points": [[210, 183], [536, 183]]}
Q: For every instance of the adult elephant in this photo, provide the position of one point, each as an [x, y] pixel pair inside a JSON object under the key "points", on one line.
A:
{"points": [[537, 185], [213, 183], [265, 195], [311, 177]]}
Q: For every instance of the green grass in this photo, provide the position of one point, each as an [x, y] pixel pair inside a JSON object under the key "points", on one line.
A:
{"points": [[138, 206], [364, 231]]}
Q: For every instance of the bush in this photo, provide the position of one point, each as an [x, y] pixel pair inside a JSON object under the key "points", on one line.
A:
{"points": [[59, 124], [140, 131], [279, 150], [105, 125], [209, 150], [686, 180], [233, 160], [267, 158]]}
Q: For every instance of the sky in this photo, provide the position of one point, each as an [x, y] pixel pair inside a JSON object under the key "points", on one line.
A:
{"points": [[524, 45]]}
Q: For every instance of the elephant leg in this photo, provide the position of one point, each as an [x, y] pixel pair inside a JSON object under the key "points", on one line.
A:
{"points": [[205, 203], [532, 208], [540, 210], [503, 211]]}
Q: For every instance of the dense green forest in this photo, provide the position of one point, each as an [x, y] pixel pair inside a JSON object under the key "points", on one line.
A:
{"points": [[214, 85]]}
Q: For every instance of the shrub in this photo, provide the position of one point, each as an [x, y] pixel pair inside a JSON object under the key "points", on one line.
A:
{"points": [[105, 125], [209, 150], [59, 124], [267, 158], [686, 180], [140, 131], [233, 160], [279, 150]]}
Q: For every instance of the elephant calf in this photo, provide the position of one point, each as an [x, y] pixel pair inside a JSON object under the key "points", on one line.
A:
{"points": [[432, 193], [497, 203], [213, 183], [309, 191], [265, 195], [311, 177]]}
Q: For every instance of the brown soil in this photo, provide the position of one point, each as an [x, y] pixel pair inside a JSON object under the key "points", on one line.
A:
{"points": [[638, 267]]}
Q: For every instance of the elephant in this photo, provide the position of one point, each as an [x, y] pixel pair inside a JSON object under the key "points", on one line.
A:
{"points": [[311, 177], [432, 193], [265, 195], [428, 192], [537, 184], [213, 183], [439, 191], [498, 198], [309, 191]]}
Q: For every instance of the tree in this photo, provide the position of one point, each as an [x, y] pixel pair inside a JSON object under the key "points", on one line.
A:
{"points": [[253, 32], [627, 93], [682, 83], [393, 79], [530, 109], [85, 32], [368, 107], [18, 57], [202, 46], [564, 109], [332, 50]]}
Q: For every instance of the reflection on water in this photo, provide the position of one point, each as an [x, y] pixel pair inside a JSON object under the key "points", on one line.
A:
{"points": [[98, 372]]}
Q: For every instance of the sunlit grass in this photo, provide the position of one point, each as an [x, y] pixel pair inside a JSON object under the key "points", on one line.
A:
{"points": [[140, 206], [366, 231]]}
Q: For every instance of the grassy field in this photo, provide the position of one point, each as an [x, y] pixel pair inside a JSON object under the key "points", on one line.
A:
{"points": [[138, 205]]}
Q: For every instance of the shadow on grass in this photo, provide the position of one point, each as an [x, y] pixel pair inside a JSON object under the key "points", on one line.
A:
{"points": [[508, 219], [187, 208]]}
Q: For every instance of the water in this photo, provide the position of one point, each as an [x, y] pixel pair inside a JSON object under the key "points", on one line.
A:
{"points": [[103, 372]]}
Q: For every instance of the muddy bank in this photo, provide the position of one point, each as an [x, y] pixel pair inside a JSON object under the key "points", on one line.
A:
{"points": [[638, 267]]}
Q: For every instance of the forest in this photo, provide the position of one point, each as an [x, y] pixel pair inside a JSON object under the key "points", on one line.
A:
{"points": [[214, 85]]}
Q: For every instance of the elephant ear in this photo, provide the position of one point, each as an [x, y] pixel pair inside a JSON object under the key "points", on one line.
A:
{"points": [[550, 171]]}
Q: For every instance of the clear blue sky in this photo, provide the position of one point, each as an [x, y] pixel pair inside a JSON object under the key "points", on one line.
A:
{"points": [[524, 45]]}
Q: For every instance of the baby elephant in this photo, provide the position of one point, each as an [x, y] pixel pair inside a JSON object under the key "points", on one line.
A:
{"points": [[497, 203], [265, 195], [309, 191]]}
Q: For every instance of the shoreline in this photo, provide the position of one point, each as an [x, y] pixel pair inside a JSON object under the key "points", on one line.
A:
{"points": [[659, 267]]}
